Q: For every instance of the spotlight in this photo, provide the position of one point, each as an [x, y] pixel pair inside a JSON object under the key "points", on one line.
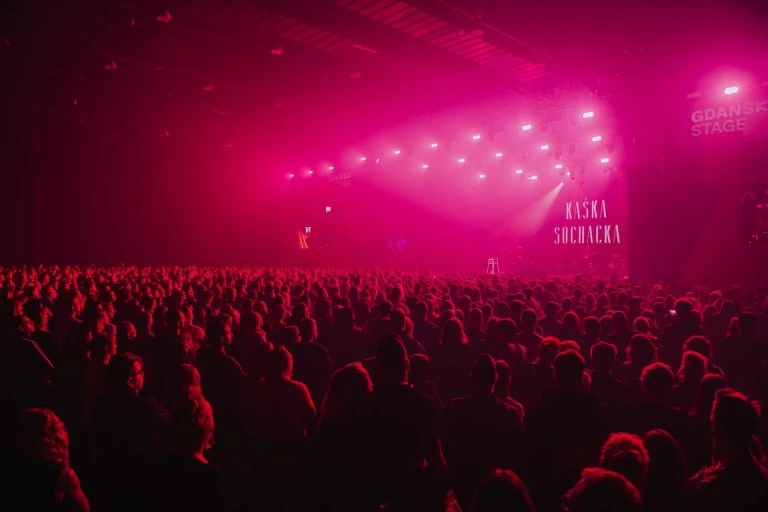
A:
{"points": [[291, 176], [425, 166], [327, 209], [568, 173], [733, 89], [597, 138], [518, 171], [476, 136], [362, 159], [309, 172], [433, 145], [544, 147], [462, 160], [527, 127], [605, 160], [558, 166], [499, 154], [397, 151], [481, 176], [378, 160], [330, 167], [588, 115], [534, 177]]}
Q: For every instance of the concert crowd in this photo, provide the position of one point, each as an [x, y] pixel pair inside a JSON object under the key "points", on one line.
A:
{"points": [[264, 389]]}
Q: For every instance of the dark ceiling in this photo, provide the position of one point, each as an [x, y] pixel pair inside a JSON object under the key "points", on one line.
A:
{"points": [[299, 64]]}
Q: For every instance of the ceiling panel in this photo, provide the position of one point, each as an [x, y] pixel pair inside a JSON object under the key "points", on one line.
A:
{"points": [[420, 24]]}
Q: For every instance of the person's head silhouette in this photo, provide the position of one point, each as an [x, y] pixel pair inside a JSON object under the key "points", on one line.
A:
{"points": [[484, 373], [603, 356], [569, 370], [734, 422], [625, 454], [125, 373], [501, 490], [392, 359], [279, 364], [600, 490], [453, 333], [548, 350], [657, 380]]}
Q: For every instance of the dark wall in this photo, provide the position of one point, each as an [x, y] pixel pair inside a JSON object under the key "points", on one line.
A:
{"points": [[686, 194]]}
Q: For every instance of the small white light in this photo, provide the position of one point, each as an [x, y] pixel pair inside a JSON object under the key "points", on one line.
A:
{"points": [[533, 178], [309, 172], [462, 160], [482, 176], [330, 167], [327, 209], [544, 147], [476, 136], [588, 115], [425, 166], [378, 160], [558, 166], [527, 127], [362, 159], [499, 154], [605, 160], [397, 151], [597, 138], [434, 145], [731, 90], [518, 171]]}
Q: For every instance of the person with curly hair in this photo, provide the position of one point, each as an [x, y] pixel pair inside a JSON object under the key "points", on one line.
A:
{"points": [[42, 477]]}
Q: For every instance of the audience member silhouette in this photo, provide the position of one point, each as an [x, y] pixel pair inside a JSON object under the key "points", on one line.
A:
{"points": [[667, 472], [502, 491], [188, 481], [737, 480], [558, 455], [129, 433], [600, 490], [481, 432], [406, 446], [42, 478], [626, 455]]}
